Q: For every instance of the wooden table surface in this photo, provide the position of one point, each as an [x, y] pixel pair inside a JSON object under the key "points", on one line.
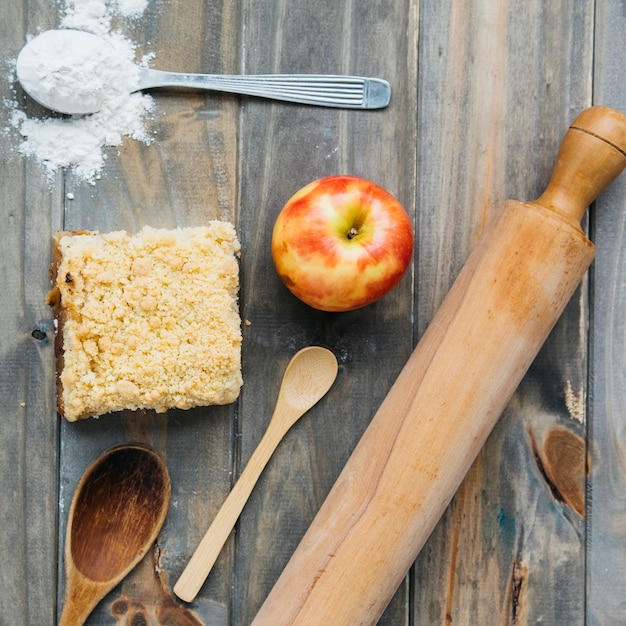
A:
{"points": [[483, 91]]}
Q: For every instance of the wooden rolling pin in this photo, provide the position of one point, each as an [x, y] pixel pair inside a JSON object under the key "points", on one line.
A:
{"points": [[439, 412]]}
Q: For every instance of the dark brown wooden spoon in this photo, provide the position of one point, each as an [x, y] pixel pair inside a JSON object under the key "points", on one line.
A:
{"points": [[117, 512]]}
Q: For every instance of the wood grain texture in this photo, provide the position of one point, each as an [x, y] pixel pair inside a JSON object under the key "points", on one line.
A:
{"points": [[28, 427], [482, 94], [606, 532], [300, 145], [504, 543], [186, 177]]}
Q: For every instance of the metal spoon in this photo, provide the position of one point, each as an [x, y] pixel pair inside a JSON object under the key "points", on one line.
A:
{"points": [[49, 69], [309, 375], [117, 512]]}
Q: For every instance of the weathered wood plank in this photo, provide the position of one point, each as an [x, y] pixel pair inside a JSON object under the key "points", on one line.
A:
{"points": [[283, 148], [606, 536], [499, 84], [186, 177], [28, 459], [28, 429]]}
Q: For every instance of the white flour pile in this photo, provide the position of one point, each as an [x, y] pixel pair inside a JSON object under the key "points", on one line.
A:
{"points": [[79, 142]]}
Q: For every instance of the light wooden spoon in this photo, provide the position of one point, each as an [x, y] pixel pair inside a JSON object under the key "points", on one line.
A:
{"points": [[309, 375], [117, 512]]}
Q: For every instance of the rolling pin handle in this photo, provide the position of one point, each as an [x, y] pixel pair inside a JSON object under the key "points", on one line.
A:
{"points": [[592, 155]]}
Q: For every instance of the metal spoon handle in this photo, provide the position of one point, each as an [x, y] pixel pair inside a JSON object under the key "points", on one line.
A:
{"points": [[351, 92]]}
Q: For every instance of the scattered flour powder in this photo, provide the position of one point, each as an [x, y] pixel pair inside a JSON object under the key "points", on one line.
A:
{"points": [[79, 141]]}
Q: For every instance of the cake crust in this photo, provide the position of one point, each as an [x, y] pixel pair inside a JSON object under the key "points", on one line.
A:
{"points": [[146, 321]]}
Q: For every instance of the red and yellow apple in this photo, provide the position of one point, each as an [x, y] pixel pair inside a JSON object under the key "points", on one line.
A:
{"points": [[341, 243]]}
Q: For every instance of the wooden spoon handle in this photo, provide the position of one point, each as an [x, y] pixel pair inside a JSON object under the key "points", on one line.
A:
{"points": [[591, 156], [81, 599], [209, 548]]}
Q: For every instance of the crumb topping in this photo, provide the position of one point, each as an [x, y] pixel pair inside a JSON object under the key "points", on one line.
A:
{"points": [[151, 320]]}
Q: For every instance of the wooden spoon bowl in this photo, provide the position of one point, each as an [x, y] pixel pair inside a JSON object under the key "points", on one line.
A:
{"points": [[117, 512]]}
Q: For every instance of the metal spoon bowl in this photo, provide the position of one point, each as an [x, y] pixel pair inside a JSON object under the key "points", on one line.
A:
{"points": [[62, 88], [117, 512]]}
